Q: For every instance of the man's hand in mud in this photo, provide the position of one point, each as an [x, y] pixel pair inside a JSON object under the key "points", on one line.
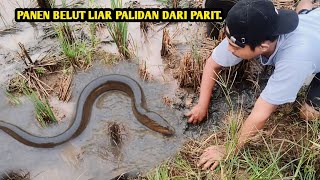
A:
{"points": [[211, 157], [197, 114]]}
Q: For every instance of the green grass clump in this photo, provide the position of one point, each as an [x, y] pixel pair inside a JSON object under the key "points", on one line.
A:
{"points": [[14, 100], [119, 32], [43, 110]]}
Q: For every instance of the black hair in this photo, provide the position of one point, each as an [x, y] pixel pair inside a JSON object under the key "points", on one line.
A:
{"points": [[254, 44]]}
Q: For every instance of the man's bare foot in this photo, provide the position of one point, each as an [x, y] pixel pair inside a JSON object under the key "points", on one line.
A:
{"points": [[308, 113]]}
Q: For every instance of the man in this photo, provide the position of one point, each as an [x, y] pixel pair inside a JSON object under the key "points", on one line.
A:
{"points": [[290, 42], [213, 27]]}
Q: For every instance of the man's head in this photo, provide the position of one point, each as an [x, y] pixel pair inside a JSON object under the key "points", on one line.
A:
{"points": [[255, 24]]}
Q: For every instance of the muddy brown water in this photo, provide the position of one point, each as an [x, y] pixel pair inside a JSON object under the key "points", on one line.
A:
{"points": [[93, 154]]}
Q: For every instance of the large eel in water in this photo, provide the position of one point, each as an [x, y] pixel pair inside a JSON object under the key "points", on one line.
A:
{"points": [[87, 97]]}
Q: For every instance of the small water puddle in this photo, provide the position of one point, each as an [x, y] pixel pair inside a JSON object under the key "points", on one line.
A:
{"points": [[93, 154]]}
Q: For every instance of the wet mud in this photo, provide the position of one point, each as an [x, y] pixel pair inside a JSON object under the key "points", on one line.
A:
{"points": [[99, 151], [114, 142]]}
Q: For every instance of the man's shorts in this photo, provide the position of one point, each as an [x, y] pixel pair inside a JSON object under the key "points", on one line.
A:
{"points": [[313, 92]]}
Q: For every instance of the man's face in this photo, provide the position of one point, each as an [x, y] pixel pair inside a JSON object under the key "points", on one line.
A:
{"points": [[244, 53]]}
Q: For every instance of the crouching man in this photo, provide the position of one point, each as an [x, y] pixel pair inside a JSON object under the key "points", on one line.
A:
{"points": [[288, 40]]}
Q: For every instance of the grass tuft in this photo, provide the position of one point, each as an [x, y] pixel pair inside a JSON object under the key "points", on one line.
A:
{"points": [[119, 32], [43, 110]]}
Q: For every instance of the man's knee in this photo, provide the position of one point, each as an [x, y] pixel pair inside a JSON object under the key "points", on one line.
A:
{"points": [[311, 109], [308, 113], [304, 5]]}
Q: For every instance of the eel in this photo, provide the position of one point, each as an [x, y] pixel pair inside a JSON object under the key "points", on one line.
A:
{"points": [[89, 94]]}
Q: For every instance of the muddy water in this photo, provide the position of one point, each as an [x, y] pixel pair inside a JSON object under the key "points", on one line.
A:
{"points": [[93, 154], [12, 33], [147, 47]]}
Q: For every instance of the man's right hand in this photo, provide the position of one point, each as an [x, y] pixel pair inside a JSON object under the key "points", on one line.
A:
{"points": [[197, 114], [210, 71]]}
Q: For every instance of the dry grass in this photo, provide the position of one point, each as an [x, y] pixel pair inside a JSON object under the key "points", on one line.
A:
{"points": [[67, 34], [143, 71], [46, 76], [64, 93], [144, 29], [197, 3], [15, 175], [285, 4], [144, 26], [191, 66], [189, 72], [166, 48], [169, 51], [184, 164], [245, 71], [107, 57], [286, 148], [290, 139], [33, 72], [175, 3]]}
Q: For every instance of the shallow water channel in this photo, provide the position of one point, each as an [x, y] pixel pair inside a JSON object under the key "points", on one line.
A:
{"points": [[92, 155]]}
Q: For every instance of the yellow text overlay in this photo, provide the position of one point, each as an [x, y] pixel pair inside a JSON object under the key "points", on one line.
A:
{"points": [[117, 15]]}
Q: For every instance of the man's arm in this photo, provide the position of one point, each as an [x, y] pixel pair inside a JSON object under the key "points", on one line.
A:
{"points": [[219, 57], [209, 77], [210, 72], [255, 122]]}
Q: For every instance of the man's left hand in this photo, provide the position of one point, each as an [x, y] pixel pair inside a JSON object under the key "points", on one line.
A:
{"points": [[211, 157]]}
